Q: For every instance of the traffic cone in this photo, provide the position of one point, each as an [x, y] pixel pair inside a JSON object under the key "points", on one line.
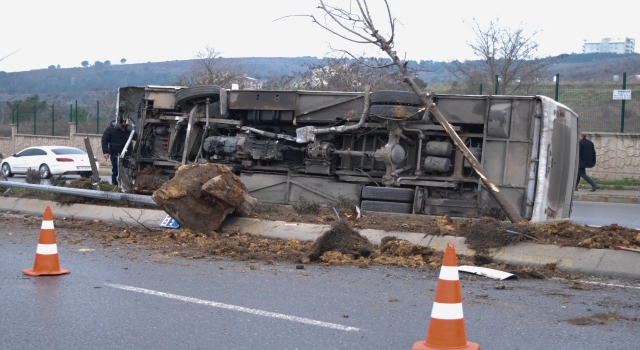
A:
{"points": [[46, 262], [446, 328]]}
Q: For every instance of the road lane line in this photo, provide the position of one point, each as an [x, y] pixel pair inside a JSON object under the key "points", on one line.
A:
{"points": [[234, 307], [608, 284]]}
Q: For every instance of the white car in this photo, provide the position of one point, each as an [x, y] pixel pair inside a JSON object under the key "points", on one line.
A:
{"points": [[49, 160]]}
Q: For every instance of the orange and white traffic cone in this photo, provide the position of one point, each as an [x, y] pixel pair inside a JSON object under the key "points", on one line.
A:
{"points": [[46, 262], [446, 328]]}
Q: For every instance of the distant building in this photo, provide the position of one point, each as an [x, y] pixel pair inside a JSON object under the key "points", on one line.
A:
{"points": [[613, 45], [252, 83]]}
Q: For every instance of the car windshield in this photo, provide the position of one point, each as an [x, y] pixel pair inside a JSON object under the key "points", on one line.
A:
{"points": [[60, 151]]}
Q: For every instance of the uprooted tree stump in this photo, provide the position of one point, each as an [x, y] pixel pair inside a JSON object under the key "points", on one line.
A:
{"points": [[200, 196]]}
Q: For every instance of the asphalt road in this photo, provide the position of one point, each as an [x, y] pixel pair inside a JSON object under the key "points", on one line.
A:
{"points": [[602, 214], [120, 297]]}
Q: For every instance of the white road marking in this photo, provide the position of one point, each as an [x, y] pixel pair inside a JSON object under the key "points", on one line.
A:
{"points": [[234, 307], [608, 284]]}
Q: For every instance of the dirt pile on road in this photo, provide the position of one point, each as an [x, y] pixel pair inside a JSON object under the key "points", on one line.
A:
{"points": [[481, 234], [342, 239], [229, 243], [165, 244]]}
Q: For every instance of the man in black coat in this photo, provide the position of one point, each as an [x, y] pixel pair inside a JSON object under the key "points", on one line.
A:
{"points": [[587, 159], [113, 140]]}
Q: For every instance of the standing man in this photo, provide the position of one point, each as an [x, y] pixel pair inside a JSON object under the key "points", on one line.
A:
{"points": [[113, 140], [587, 159]]}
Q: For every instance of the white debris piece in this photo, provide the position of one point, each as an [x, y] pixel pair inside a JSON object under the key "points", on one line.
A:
{"points": [[491, 273]]}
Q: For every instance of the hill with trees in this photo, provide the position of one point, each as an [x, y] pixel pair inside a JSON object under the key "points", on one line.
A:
{"points": [[78, 83]]}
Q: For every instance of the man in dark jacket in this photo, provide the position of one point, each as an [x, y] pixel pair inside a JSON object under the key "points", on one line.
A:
{"points": [[113, 140], [587, 159]]}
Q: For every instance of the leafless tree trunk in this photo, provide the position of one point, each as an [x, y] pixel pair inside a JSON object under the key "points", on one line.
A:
{"points": [[357, 26], [209, 68], [508, 53]]}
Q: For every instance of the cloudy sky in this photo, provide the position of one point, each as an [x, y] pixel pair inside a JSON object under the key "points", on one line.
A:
{"points": [[67, 32]]}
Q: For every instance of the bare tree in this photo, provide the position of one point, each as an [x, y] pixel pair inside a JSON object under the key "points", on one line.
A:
{"points": [[282, 82], [107, 99], [209, 68], [60, 101], [511, 54], [357, 26], [344, 74]]}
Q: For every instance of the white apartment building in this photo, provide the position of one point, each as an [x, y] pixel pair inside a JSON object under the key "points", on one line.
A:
{"points": [[614, 45]]}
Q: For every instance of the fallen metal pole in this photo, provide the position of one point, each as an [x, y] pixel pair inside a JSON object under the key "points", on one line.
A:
{"points": [[111, 196]]}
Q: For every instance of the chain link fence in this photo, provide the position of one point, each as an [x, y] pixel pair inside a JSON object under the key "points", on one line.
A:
{"points": [[598, 111], [51, 121], [592, 101]]}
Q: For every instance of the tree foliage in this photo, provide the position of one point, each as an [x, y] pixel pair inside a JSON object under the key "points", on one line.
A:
{"points": [[85, 64], [28, 104], [123, 60], [209, 68], [511, 54]]}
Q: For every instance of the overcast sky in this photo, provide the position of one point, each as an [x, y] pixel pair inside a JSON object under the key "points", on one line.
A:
{"points": [[67, 32]]}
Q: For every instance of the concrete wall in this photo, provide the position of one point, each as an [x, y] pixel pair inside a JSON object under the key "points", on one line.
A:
{"points": [[18, 142], [618, 155]]}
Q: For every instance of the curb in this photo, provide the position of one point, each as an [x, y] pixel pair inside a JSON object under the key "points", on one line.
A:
{"points": [[606, 198], [596, 262]]}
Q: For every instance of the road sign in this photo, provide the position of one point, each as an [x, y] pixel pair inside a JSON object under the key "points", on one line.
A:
{"points": [[168, 221], [621, 94]]}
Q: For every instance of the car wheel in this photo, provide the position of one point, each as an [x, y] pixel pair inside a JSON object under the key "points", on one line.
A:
{"points": [[188, 97], [45, 173], [86, 174], [6, 170]]}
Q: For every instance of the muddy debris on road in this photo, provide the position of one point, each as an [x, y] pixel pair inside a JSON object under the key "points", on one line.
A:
{"points": [[342, 244], [228, 242]]}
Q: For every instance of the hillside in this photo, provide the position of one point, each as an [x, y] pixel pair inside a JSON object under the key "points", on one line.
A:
{"points": [[596, 67], [75, 82]]}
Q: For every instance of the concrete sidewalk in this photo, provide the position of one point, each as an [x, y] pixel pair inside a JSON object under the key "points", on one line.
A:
{"points": [[628, 195], [595, 262]]}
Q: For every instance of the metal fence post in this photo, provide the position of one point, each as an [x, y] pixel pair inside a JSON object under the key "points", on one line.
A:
{"points": [[480, 89], [34, 117], [98, 118], [557, 85], [70, 112], [53, 126], [624, 87], [497, 78], [76, 116], [18, 119]]}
